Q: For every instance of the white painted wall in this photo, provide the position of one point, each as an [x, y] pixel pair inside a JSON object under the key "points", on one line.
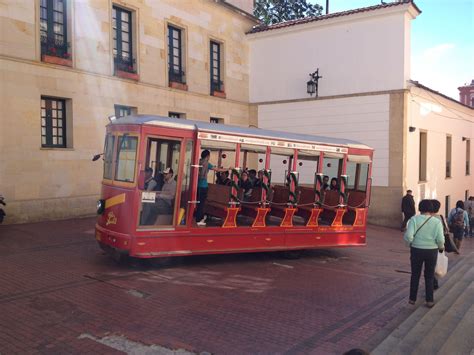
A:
{"points": [[363, 118], [439, 117], [359, 53]]}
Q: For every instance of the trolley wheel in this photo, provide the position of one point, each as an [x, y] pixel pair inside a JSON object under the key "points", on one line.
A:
{"points": [[120, 258], [292, 254]]}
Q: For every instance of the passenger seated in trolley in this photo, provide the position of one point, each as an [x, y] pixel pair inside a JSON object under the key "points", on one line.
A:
{"points": [[164, 200], [253, 176], [325, 185], [334, 184], [246, 185], [150, 182], [259, 181], [223, 178]]}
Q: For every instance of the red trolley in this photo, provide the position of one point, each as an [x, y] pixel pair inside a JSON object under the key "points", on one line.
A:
{"points": [[305, 192]]}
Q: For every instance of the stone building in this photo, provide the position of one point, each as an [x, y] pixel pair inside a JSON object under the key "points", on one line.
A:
{"points": [[66, 65], [421, 137]]}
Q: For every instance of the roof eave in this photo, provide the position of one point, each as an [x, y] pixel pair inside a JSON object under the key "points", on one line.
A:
{"points": [[238, 11], [409, 7]]}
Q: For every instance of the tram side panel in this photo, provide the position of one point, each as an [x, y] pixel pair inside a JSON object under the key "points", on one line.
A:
{"points": [[115, 223]]}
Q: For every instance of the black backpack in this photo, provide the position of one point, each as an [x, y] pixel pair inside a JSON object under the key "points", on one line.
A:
{"points": [[457, 222]]}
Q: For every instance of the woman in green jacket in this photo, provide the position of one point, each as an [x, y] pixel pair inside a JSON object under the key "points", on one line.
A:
{"points": [[425, 237]]}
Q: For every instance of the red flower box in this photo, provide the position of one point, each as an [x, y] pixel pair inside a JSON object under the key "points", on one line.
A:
{"points": [[56, 60], [127, 75], [220, 94], [180, 86]]}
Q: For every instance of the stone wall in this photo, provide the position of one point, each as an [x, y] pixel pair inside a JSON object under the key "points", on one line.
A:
{"points": [[43, 183]]}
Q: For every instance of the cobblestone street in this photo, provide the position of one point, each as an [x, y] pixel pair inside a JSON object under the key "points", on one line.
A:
{"points": [[60, 294]]}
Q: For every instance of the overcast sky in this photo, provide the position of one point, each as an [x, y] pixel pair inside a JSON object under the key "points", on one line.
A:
{"points": [[442, 48]]}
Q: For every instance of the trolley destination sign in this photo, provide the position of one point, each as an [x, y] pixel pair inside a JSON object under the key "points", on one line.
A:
{"points": [[271, 143]]}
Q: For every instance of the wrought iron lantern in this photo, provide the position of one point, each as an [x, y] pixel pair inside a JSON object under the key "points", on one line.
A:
{"points": [[312, 84]]}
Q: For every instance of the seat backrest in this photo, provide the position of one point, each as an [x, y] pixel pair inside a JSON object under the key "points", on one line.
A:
{"points": [[307, 195], [356, 199], [331, 198], [256, 194], [280, 194], [218, 193]]}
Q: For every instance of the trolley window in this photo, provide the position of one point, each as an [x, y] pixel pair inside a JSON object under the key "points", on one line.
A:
{"points": [[126, 156], [108, 156], [363, 177]]}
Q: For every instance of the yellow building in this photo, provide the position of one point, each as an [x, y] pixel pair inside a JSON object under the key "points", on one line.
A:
{"points": [[66, 65]]}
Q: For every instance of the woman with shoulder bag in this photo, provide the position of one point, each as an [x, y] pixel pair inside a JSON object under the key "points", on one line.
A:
{"points": [[425, 237], [449, 245]]}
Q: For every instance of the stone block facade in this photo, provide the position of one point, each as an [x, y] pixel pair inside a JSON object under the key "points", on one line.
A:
{"points": [[49, 182]]}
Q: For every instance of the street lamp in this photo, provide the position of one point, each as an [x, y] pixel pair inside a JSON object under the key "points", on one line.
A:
{"points": [[312, 84]]}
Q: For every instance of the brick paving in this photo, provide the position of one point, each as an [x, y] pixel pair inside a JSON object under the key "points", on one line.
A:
{"points": [[60, 294]]}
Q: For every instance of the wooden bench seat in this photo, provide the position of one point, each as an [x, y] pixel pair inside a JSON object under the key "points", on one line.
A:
{"points": [[330, 200], [251, 209], [306, 196], [355, 199], [280, 196], [218, 197]]}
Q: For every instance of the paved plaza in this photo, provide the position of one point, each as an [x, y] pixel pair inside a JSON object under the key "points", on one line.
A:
{"points": [[60, 294]]}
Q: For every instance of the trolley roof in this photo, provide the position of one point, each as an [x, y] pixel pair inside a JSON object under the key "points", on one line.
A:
{"points": [[234, 130]]}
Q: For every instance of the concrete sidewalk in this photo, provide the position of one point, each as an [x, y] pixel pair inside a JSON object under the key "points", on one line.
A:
{"points": [[60, 294]]}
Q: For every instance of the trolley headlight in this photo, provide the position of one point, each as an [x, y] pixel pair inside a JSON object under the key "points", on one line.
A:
{"points": [[100, 206]]}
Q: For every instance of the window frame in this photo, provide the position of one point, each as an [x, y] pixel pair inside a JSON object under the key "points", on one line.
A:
{"points": [[423, 157], [215, 62], [48, 122], [118, 149], [468, 158], [449, 150], [49, 44], [177, 76], [119, 62], [216, 120], [109, 151], [118, 108], [174, 114]]}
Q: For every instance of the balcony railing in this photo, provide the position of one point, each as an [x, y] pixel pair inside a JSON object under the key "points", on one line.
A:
{"points": [[54, 47], [125, 64], [217, 86], [177, 76]]}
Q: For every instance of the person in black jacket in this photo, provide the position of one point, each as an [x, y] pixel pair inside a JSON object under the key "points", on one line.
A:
{"points": [[408, 209]]}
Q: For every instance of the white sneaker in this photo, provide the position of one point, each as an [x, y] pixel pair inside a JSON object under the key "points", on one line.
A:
{"points": [[202, 222]]}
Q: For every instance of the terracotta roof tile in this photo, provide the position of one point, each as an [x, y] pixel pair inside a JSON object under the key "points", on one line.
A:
{"points": [[262, 28]]}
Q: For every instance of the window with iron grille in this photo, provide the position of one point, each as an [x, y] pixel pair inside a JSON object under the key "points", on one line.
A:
{"points": [[175, 55], [53, 28], [122, 111], [176, 115], [216, 80], [122, 38], [53, 122]]}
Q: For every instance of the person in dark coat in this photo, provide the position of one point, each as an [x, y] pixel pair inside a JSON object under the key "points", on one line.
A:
{"points": [[408, 209]]}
